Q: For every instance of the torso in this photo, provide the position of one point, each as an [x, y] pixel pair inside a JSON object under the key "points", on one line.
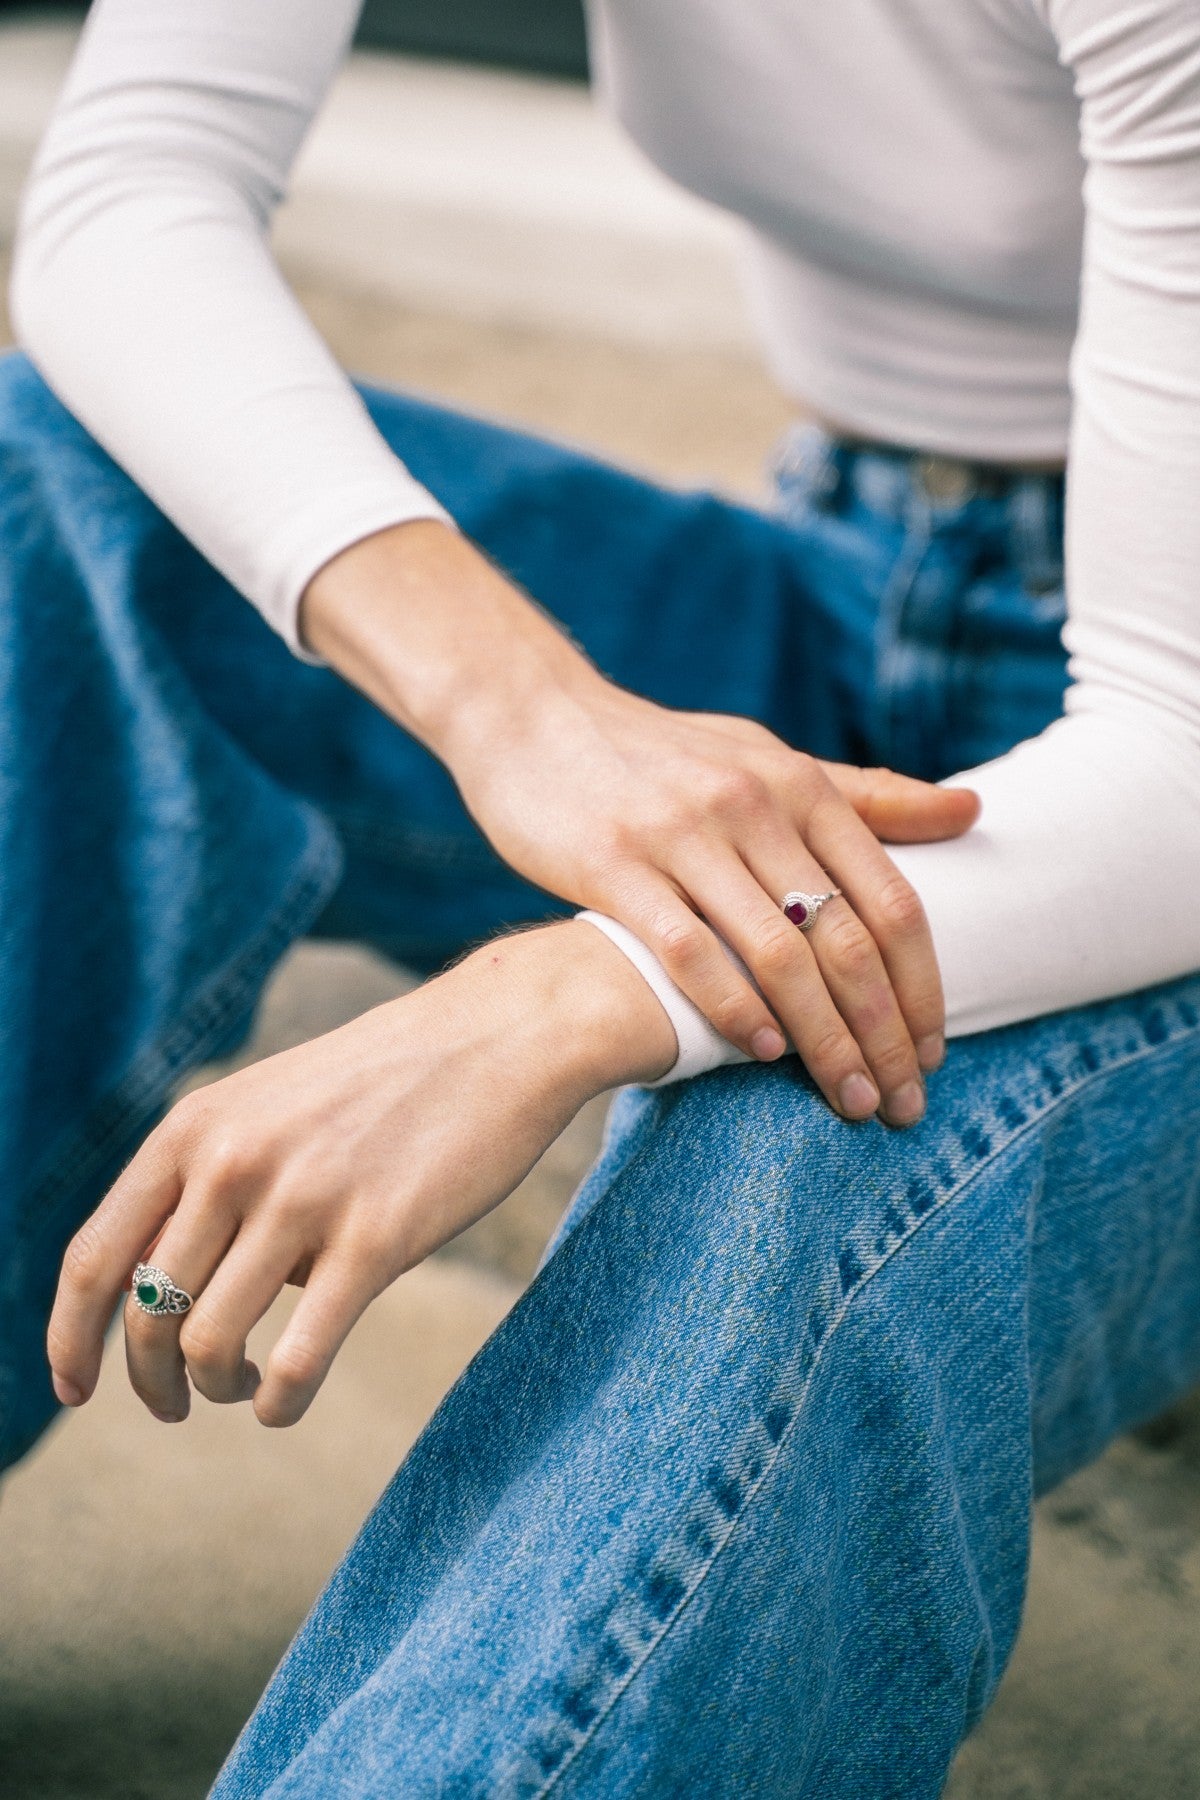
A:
{"points": [[911, 173]]}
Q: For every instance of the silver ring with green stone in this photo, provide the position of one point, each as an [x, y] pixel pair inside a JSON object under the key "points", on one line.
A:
{"points": [[156, 1293]]}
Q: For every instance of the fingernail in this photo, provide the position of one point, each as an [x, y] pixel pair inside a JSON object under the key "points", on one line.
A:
{"points": [[858, 1097], [165, 1418], [906, 1105], [931, 1051], [767, 1044], [68, 1393]]}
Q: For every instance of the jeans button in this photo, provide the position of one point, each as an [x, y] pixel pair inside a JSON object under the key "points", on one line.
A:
{"points": [[945, 480]]}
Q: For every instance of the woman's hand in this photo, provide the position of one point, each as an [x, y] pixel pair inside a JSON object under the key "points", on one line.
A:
{"points": [[681, 825], [343, 1163]]}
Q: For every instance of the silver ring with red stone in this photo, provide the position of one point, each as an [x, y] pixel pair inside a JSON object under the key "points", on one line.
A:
{"points": [[155, 1292], [802, 909]]}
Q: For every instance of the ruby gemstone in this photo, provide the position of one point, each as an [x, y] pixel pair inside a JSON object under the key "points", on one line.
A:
{"points": [[797, 912]]}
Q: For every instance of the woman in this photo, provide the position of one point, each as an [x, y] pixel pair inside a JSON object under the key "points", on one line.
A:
{"points": [[737, 1500]]}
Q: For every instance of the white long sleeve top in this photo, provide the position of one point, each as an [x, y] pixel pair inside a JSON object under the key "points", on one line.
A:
{"points": [[974, 228]]}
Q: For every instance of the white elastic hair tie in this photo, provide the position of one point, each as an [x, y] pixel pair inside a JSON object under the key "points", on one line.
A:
{"points": [[701, 1047]]}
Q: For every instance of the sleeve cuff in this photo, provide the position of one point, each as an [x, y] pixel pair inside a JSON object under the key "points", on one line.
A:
{"points": [[701, 1047], [282, 610]]}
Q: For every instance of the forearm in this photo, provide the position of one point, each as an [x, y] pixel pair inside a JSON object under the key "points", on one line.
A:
{"points": [[421, 622], [575, 1010]]}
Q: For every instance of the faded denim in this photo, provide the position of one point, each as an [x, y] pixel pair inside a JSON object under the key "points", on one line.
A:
{"points": [[736, 1502]]}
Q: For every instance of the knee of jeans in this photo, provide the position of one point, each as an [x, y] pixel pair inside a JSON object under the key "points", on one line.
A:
{"points": [[750, 1167]]}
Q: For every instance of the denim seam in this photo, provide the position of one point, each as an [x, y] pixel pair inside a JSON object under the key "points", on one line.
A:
{"points": [[778, 1419], [918, 540]]}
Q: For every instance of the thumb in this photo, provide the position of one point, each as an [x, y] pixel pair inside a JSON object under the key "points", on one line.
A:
{"points": [[902, 810]]}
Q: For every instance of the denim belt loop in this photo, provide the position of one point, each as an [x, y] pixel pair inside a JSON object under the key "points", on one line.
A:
{"points": [[881, 479], [810, 465], [1035, 513]]}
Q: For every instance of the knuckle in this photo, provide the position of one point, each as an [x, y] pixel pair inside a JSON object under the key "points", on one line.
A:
{"points": [[613, 847], [850, 946], [900, 907], [301, 1199], [776, 948], [188, 1117], [296, 1366], [368, 1244], [807, 780], [894, 1060], [879, 780], [830, 1051], [83, 1262], [735, 1014], [825, 812], [680, 943], [736, 792], [873, 1017], [227, 1161], [206, 1345], [140, 1329], [927, 1013]]}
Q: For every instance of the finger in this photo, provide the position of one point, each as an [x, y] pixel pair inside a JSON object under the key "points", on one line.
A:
{"points": [[100, 1256], [245, 1286], [891, 911], [782, 961], [901, 810], [189, 1251], [778, 859], [849, 960], [337, 1293], [689, 951]]}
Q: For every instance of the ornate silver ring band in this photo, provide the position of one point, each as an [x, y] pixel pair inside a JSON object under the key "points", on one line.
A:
{"points": [[802, 909], [156, 1293]]}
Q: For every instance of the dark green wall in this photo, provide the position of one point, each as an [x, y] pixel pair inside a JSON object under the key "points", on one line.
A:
{"points": [[543, 35], [546, 35]]}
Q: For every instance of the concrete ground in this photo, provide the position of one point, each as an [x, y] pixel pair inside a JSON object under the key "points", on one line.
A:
{"points": [[106, 1697]]}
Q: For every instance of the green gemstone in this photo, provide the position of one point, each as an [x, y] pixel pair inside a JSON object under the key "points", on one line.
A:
{"points": [[149, 1293]]}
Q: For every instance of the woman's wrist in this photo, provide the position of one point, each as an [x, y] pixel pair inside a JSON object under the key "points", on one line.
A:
{"points": [[475, 1074], [577, 1004], [419, 620]]}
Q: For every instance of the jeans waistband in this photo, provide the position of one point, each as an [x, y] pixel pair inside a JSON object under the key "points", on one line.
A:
{"points": [[900, 473], [1026, 506]]}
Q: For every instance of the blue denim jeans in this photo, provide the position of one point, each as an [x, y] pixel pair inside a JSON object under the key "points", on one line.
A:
{"points": [[736, 1501]]}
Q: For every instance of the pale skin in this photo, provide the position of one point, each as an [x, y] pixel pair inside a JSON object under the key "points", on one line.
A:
{"points": [[343, 1163]]}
